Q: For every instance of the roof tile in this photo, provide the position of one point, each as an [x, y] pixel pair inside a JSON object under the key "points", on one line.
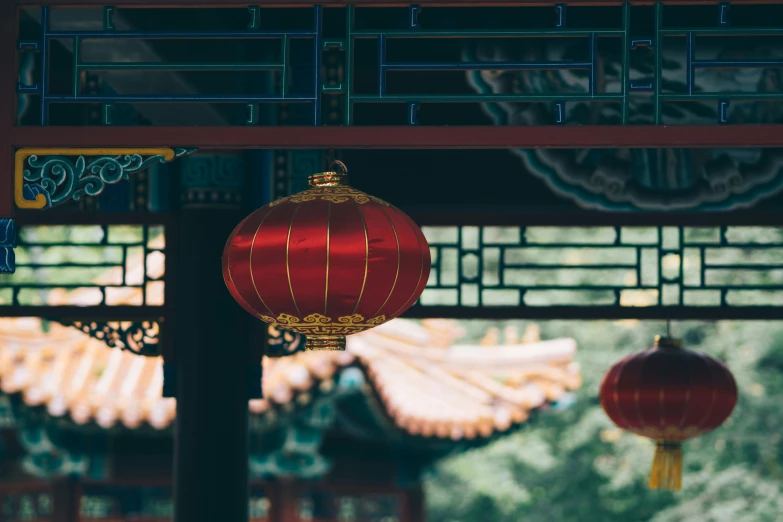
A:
{"points": [[427, 386]]}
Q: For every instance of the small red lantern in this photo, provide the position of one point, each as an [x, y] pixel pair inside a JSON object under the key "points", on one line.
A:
{"points": [[668, 394], [327, 262]]}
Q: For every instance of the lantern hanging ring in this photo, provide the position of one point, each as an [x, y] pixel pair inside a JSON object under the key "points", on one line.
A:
{"points": [[331, 163], [337, 163], [335, 176]]}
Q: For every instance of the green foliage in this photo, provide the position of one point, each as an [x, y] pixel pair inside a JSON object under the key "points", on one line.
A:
{"points": [[575, 466]]}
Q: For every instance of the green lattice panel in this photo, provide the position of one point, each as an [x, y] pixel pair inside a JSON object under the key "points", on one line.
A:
{"points": [[605, 266], [87, 265]]}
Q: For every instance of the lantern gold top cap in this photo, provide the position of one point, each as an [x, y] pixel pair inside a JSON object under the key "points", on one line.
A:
{"points": [[328, 179], [667, 342], [336, 177]]}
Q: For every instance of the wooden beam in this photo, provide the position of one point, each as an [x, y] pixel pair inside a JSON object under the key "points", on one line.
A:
{"points": [[368, 3], [86, 313], [478, 218], [609, 313], [66, 497], [130, 313], [415, 505], [70, 218], [412, 137], [284, 501], [579, 218]]}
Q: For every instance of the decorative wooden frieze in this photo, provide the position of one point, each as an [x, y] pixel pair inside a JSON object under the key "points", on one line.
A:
{"points": [[139, 337], [212, 181]]}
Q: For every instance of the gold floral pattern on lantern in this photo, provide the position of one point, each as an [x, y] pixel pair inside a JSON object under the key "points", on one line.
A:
{"points": [[331, 194], [393, 249], [319, 324]]}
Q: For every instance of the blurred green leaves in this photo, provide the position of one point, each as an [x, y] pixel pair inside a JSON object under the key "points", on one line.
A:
{"points": [[576, 466]]}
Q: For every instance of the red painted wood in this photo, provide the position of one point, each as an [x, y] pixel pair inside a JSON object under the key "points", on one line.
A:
{"points": [[284, 501], [416, 508], [426, 217], [20, 488], [84, 313], [705, 313], [66, 494], [227, 3], [55, 217], [8, 27], [595, 219], [484, 137]]}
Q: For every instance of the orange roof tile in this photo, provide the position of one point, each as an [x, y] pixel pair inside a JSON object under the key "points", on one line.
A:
{"points": [[427, 385]]}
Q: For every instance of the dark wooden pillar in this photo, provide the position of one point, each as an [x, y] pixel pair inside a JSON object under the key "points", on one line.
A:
{"points": [[8, 77], [66, 500], [415, 506], [212, 351]]}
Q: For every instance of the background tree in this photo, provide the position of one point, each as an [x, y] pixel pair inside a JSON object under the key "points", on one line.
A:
{"points": [[576, 466]]}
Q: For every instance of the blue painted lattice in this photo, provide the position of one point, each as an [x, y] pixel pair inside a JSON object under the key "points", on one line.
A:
{"points": [[7, 245], [253, 32], [595, 66]]}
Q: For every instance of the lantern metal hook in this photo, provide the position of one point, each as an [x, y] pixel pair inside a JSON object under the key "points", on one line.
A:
{"points": [[340, 164], [335, 163]]}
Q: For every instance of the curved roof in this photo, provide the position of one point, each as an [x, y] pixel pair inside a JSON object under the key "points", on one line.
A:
{"points": [[426, 385]]}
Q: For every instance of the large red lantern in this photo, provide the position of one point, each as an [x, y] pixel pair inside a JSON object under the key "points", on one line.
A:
{"points": [[668, 394], [327, 262]]}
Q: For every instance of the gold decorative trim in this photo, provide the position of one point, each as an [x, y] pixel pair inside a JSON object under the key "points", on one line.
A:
{"points": [[287, 251], [668, 433], [325, 343], [667, 342], [366, 256], [319, 324], [329, 179], [250, 262], [421, 271], [328, 254], [399, 259], [616, 394], [167, 154], [331, 194]]}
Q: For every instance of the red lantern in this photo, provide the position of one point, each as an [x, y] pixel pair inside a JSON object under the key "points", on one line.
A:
{"points": [[668, 394], [328, 262]]}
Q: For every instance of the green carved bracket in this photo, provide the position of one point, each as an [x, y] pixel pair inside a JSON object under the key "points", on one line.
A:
{"points": [[47, 177]]}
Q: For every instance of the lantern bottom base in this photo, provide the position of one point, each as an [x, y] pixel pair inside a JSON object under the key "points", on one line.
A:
{"points": [[325, 342]]}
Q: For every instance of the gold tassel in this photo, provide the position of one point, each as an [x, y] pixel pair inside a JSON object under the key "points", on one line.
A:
{"points": [[667, 466]]}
